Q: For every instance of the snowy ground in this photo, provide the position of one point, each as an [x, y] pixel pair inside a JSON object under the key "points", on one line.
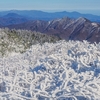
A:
{"points": [[60, 71]]}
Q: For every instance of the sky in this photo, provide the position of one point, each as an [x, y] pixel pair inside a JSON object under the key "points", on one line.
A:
{"points": [[84, 6]]}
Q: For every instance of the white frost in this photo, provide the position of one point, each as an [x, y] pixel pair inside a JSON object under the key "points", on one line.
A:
{"points": [[60, 71]]}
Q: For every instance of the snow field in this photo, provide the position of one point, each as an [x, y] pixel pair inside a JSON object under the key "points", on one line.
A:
{"points": [[59, 71]]}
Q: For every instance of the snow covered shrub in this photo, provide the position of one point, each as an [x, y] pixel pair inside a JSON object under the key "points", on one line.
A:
{"points": [[52, 71]]}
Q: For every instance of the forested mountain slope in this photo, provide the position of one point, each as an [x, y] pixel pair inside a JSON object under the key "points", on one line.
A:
{"points": [[20, 40]]}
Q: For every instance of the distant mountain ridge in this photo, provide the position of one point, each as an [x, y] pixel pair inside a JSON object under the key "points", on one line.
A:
{"points": [[65, 28], [40, 15]]}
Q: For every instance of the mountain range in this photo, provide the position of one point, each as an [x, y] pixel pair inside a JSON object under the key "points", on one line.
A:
{"points": [[11, 16], [65, 25], [65, 28]]}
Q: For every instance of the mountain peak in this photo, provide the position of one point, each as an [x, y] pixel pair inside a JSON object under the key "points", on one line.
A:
{"points": [[75, 12], [83, 19]]}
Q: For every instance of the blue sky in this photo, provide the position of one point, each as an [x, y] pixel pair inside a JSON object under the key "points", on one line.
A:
{"points": [[85, 6]]}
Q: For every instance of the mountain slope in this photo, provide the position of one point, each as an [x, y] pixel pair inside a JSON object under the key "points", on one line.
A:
{"points": [[12, 15], [66, 28], [11, 19], [19, 40]]}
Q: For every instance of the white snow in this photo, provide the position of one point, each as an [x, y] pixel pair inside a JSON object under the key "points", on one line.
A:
{"points": [[60, 71], [95, 24]]}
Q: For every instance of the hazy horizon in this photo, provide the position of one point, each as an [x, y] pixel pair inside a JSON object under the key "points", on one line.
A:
{"points": [[90, 6], [93, 12]]}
